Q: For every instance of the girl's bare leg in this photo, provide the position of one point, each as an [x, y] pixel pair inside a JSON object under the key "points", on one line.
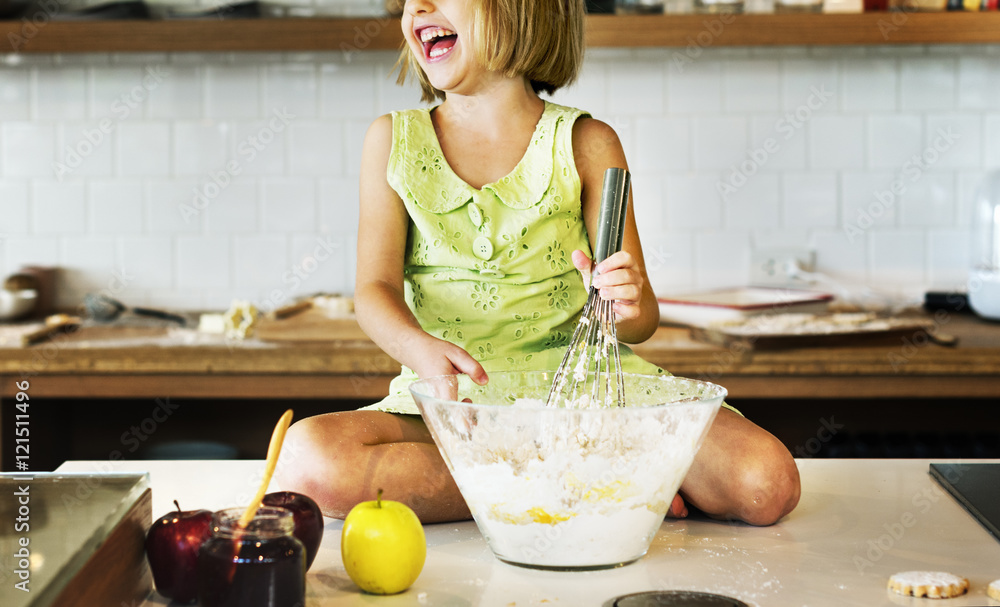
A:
{"points": [[341, 459]]}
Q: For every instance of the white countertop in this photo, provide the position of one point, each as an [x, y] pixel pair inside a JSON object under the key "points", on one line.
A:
{"points": [[858, 522]]}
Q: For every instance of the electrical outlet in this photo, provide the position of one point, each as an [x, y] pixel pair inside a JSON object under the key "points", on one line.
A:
{"points": [[774, 267]]}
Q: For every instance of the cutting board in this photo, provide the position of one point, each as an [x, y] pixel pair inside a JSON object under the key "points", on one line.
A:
{"points": [[312, 325]]}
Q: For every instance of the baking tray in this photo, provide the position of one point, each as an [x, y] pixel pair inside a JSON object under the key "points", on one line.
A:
{"points": [[975, 486], [703, 309]]}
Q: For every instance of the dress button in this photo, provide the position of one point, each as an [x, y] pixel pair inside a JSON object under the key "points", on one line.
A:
{"points": [[475, 214], [492, 272], [482, 248]]}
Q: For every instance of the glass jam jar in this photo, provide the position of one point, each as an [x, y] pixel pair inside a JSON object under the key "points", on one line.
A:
{"points": [[263, 565]]}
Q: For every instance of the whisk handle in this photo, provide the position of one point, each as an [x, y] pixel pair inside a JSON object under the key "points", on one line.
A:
{"points": [[611, 221]]}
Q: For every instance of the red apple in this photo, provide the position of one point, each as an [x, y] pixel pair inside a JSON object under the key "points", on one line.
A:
{"points": [[308, 519], [172, 550]]}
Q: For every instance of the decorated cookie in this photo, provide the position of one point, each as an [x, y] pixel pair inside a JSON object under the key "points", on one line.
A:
{"points": [[930, 584], [993, 590]]}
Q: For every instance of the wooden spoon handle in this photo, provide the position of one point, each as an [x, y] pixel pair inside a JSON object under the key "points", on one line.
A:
{"points": [[273, 450]]}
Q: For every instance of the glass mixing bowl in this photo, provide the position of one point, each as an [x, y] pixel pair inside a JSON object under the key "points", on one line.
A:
{"points": [[567, 488]]}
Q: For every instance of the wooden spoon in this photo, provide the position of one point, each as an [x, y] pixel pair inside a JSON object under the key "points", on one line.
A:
{"points": [[273, 450]]}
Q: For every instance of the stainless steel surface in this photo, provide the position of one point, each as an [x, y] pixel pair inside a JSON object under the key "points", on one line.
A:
{"points": [[592, 363]]}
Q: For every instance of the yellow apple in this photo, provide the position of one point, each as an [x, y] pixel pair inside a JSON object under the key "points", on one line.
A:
{"points": [[383, 546]]}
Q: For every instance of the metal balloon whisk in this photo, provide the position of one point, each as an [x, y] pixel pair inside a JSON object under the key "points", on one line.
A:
{"points": [[590, 374]]}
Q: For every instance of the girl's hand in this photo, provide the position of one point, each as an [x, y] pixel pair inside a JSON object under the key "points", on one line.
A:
{"points": [[619, 278], [439, 357]]}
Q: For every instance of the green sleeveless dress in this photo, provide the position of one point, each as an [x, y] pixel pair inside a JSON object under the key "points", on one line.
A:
{"points": [[490, 269]]}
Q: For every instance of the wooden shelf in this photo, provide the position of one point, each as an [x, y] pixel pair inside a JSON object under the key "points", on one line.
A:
{"points": [[354, 35]]}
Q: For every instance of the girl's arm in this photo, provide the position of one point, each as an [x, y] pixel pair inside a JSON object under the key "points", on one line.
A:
{"points": [[622, 277], [378, 293]]}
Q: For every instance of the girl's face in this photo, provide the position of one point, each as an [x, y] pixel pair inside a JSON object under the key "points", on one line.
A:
{"points": [[438, 34]]}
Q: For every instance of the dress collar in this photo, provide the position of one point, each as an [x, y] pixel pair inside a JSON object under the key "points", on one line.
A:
{"points": [[436, 188]]}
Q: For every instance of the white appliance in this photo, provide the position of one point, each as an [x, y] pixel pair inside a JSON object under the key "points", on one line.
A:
{"points": [[984, 275]]}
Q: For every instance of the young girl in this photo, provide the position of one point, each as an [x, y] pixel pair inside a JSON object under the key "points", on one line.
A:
{"points": [[476, 225]]}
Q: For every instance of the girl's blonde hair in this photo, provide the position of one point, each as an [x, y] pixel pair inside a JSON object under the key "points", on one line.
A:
{"points": [[541, 40]]}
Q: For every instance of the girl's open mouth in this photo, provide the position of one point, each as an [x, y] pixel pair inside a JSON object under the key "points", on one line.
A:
{"points": [[437, 41]]}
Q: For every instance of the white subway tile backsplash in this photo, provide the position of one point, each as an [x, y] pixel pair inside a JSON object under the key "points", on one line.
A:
{"points": [[259, 261], [85, 149], [232, 91], [869, 84], [200, 148], [692, 201], [315, 147], [338, 205], [203, 262], [929, 201], [719, 142], [722, 258], [175, 207], [809, 84], [14, 216], [320, 264], [292, 87], [147, 262], [927, 83], [870, 199], [751, 85], [809, 199], [755, 204], [289, 206], [953, 141], [991, 134], [348, 90], [670, 261], [637, 88], [59, 208], [27, 149], [662, 144], [181, 93], [116, 207], [143, 149], [893, 139], [15, 94], [777, 142], [948, 259], [86, 264], [207, 177], [836, 142], [61, 93], [897, 258], [978, 82], [694, 87], [233, 210]]}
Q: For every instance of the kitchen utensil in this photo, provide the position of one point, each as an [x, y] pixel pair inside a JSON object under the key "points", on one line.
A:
{"points": [[57, 323], [586, 369], [292, 309], [273, 451], [984, 277], [15, 304], [562, 488], [105, 309]]}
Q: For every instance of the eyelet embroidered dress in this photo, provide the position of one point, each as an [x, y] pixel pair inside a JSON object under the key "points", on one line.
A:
{"points": [[490, 269]]}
